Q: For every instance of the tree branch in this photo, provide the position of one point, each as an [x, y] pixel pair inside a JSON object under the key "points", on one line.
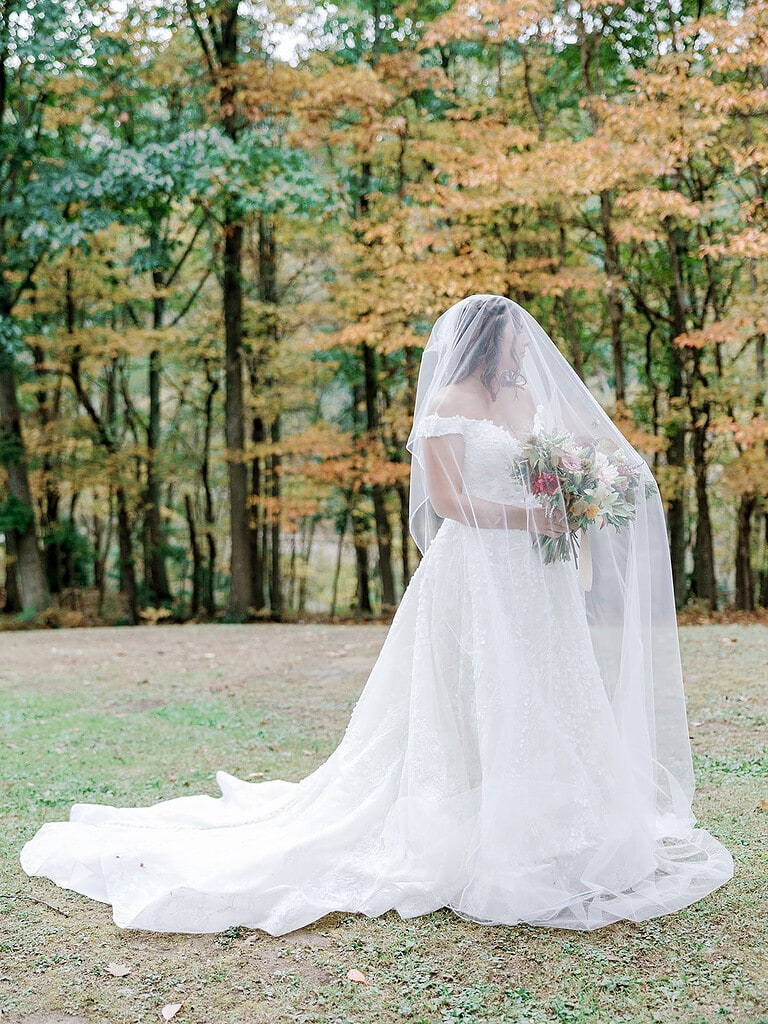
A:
{"points": [[188, 304], [207, 52]]}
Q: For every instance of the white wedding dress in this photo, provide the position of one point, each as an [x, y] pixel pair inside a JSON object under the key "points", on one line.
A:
{"points": [[481, 770]]}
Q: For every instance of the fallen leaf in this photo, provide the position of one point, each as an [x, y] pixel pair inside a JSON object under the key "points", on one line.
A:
{"points": [[118, 970], [729, 640], [763, 805], [170, 1010], [354, 975]]}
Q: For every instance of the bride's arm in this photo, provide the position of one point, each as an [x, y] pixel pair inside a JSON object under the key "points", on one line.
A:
{"points": [[443, 459]]}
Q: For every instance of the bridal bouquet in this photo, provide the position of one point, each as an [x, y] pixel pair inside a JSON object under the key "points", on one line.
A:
{"points": [[592, 486]]}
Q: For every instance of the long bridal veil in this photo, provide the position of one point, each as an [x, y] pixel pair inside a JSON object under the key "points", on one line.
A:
{"points": [[571, 459]]}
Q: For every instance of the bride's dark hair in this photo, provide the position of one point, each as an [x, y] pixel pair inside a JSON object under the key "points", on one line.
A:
{"points": [[481, 330]]}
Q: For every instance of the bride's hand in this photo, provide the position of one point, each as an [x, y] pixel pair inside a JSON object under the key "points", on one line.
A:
{"points": [[550, 523]]}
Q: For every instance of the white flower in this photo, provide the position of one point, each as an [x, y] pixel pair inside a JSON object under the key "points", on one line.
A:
{"points": [[607, 474], [602, 492]]}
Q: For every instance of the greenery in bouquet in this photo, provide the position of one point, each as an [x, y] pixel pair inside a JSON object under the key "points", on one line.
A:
{"points": [[593, 483]]}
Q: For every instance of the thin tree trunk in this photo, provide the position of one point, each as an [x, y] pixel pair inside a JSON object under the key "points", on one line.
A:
{"points": [[290, 584], [381, 518], [262, 378], [306, 555], [704, 582], [405, 532], [566, 302], [69, 569], [275, 580], [99, 558], [127, 565], [160, 590], [258, 436], [675, 431], [615, 307], [241, 597], [762, 592], [197, 561], [209, 517], [589, 47], [337, 567], [47, 410], [363, 589]]}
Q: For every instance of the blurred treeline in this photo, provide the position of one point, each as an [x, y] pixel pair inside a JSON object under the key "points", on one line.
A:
{"points": [[226, 228]]}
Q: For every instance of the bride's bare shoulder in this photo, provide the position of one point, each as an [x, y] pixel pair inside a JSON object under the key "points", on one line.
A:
{"points": [[456, 400]]}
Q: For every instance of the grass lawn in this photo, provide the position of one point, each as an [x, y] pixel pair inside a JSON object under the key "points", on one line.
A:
{"points": [[133, 716]]}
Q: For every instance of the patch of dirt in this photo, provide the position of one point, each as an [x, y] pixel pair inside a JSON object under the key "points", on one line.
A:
{"points": [[236, 660], [46, 1018]]}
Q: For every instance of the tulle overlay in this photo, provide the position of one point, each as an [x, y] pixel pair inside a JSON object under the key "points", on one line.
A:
{"points": [[483, 769]]}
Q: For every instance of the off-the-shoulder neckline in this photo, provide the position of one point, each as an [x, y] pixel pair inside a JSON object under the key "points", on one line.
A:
{"points": [[524, 432]]}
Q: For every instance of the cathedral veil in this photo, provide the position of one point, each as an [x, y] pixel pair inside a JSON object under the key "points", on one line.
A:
{"points": [[630, 604]]}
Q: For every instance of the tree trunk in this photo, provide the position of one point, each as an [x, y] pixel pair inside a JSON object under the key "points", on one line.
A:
{"points": [[12, 591], [53, 552], [363, 588], [224, 38], [566, 302], [209, 517], [704, 582], [241, 597], [762, 592], [197, 561], [306, 554], [267, 338], [615, 308], [35, 593], [337, 568], [99, 557], [127, 564], [590, 65], [160, 590], [676, 513], [383, 526], [258, 436], [675, 430], [275, 580], [745, 583], [405, 532]]}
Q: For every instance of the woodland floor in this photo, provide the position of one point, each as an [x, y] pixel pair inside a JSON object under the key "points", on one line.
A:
{"points": [[132, 716]]}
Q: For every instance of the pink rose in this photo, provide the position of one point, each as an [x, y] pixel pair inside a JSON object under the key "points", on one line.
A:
{"points": [[571, 462], [546, 483]]}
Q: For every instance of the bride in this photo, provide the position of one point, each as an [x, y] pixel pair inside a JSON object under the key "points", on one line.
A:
{"points": [[520, 751]]}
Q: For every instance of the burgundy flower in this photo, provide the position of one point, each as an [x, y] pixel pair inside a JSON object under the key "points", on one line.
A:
{"points": [[546, 483]]}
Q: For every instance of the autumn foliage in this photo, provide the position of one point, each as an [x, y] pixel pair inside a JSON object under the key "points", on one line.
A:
{"points": [[226, 235]]}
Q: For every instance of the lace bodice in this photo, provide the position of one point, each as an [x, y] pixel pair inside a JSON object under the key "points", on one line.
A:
{"points": [[490, 453]]}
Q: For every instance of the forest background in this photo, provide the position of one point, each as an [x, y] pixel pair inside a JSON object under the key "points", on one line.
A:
{"points": [[226, 229]]}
